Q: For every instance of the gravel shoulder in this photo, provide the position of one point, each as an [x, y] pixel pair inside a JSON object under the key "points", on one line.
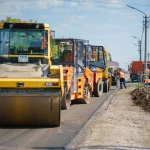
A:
{"points": [[122, 126]]}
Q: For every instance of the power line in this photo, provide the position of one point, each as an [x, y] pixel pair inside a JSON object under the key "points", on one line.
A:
{"points": [[86, 1]]}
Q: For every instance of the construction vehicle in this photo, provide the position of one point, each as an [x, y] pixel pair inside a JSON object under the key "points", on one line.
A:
{"points": [[137, 69], [107, 76], [79, 78], [97, 66], [31, 88], [113, 66]]}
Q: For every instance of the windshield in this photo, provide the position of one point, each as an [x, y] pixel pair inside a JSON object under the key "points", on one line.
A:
{"points": [[26, 42], [98, 54], [62, 52]]}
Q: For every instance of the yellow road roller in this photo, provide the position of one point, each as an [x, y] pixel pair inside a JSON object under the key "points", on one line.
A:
{"points": [[31, 89]]}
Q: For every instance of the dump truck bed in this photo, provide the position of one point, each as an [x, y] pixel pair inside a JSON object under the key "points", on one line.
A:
{"points": [[137, 66]]}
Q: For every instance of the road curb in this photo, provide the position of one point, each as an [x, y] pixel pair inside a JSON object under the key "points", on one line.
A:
{"points": [[98, 112]]}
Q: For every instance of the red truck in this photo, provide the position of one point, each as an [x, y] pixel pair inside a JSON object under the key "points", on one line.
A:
{"points": [[136, 68]]}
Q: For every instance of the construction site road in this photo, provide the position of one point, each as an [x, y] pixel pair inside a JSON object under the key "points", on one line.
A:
{"points": [[72, 120]]}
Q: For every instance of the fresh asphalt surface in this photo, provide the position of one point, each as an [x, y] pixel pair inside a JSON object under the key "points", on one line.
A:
{"points": [[72, 121]]}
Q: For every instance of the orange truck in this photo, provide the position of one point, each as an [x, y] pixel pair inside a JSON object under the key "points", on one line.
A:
{"points": [[136, 67]]}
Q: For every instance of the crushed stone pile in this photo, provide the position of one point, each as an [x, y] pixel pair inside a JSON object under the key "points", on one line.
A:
{"points": [[141, 97]]}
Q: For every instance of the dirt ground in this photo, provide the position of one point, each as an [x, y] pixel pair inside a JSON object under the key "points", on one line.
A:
{"points": [[122, 126]]}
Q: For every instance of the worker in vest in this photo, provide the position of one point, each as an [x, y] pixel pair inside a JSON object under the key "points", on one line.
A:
{"points": [[122, 79], [44, 40]]}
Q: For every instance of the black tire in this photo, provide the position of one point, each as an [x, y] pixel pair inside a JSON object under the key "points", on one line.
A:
{"points": [[98, 89], [66, 100], [106, 86]]}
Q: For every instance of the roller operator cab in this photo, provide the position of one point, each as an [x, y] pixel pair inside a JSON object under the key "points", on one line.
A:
{"points": [[30, 87], [70, 54]]}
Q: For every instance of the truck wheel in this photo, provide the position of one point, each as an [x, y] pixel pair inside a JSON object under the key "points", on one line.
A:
{"points": [[98, 90], [106, 86], [66, 100]]}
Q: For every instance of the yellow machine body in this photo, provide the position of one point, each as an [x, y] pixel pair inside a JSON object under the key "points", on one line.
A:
{"points": [[106, 75], [30, 91]]}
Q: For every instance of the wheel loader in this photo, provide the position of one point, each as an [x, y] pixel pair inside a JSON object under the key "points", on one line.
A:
{"points": [[97, 66], [106, 77], [31, 88], [78, 78]]}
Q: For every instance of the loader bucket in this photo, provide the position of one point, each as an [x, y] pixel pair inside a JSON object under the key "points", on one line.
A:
{"points": [[30, 110]]}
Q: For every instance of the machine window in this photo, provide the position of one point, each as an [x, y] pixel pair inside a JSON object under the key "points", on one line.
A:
{"points": [[4, 42], [26, 42]]}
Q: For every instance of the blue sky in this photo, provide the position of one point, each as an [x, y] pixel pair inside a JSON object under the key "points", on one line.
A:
{"points": [[110, 25]]}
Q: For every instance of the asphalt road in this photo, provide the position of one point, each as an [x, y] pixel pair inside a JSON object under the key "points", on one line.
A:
{"points": [[72, 121]]}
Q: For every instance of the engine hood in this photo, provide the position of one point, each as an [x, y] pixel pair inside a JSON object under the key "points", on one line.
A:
{"points": [[12, 70]]}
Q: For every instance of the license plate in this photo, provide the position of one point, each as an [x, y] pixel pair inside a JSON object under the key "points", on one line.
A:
{"points": [[23, 58]]}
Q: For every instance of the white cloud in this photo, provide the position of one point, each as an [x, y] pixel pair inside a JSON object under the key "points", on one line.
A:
{"points": [[115, 3], [74, 4], [15, 7], [87, 6], [32, 4], [38, 4]]}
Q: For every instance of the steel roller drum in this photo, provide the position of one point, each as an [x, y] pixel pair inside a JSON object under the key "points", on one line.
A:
{"points": [[30, 110]]}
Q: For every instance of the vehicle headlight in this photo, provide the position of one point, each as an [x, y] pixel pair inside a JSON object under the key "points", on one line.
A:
{"points": [[49, 83]]}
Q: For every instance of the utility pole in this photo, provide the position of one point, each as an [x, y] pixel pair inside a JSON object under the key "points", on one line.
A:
{"points": [[140, 49], [146, 26]]}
